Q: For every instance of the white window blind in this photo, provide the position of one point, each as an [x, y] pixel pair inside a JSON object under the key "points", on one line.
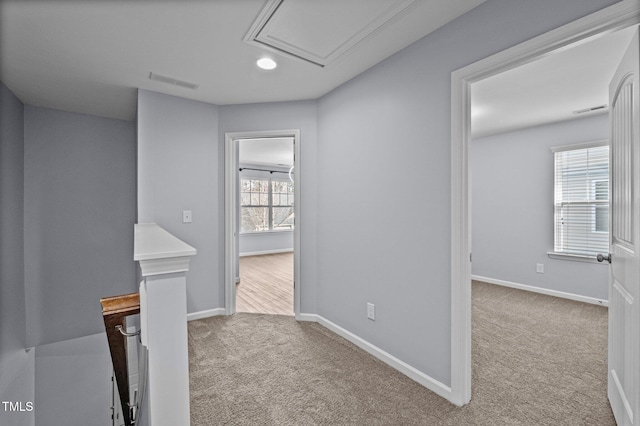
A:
{"points": [[582, 201]]}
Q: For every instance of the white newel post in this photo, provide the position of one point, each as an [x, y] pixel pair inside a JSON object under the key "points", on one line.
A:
{"points": [[164, 261]]}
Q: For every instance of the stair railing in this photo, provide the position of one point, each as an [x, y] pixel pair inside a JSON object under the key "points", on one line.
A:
{"points": [[115, 311]]}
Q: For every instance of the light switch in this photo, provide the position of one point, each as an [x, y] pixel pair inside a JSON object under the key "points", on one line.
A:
{"points": [[186, 216]]}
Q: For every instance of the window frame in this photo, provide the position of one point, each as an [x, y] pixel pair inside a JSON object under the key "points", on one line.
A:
{"points": [[269, 179], [583, 257]]}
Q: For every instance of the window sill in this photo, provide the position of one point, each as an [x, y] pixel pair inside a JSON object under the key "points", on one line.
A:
{"points": [[282, 231], [573, 257]]}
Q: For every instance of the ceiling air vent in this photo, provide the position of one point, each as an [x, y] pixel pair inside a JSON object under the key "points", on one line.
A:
{"points": [[595, 108], [174, 81]]}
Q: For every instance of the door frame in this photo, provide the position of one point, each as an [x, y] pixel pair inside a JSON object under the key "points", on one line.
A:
{"points": [[618, 16], [231, 212]]}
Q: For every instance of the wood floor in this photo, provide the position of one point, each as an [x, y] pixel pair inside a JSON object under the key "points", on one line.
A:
{"points": [[266, 284]]}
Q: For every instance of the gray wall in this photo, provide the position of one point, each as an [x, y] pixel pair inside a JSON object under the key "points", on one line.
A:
{"points": [[12, 316], [73, 382], [180, 168], [512, 208], [264, 242], [16, 365], [80, 198], [385, 239], [67, 199], [280, 116]]}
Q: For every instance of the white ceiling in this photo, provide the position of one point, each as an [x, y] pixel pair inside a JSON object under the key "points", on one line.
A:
{"points": [[548, 89], [266, 151], [90, 56]]}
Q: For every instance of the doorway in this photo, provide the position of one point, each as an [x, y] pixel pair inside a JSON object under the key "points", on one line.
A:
{"points": [[264, 282], [613, 18], [262, 216], [515, 165]]}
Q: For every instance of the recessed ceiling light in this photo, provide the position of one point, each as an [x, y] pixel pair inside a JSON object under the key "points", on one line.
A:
{"points": [[266, 63]]}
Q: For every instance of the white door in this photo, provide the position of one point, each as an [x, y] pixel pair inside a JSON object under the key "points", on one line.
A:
{"points": [[624, 280]]}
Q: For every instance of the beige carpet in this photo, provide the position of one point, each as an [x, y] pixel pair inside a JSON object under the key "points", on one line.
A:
{"points": [[537, 360]]}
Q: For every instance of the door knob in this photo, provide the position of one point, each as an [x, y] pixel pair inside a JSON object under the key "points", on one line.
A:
{"points": [[602, 257]]}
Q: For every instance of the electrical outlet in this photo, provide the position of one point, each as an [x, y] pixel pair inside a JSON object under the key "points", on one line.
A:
{"points": [[540, 268], [186, 216], [371, 311]]}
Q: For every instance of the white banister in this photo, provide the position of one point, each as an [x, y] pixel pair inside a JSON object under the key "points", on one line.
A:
{"points": [[164, 261]]}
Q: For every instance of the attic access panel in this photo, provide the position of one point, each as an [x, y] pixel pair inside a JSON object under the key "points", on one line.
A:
{"points": [[321, 31]]}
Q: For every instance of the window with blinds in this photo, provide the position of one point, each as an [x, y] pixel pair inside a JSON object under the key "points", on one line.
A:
{"points": [[582, 200]]}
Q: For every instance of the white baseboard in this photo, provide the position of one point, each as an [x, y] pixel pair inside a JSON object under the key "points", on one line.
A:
{"points": [[409, 371], [206, 314], [258, 253], [307, 317], [548, 292]]}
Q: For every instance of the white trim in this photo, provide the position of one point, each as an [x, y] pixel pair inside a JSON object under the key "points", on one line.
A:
{"points": [[623, 396], [230, 208], [231, 160], [158, 252], [584, 145], [414, 374], [540, 290], [259, 34], [151, 242], [620, 15], [259, 253], [307, 317], [206, 314], [164, 266], [574, 257], [460, 242], [269, 232]]}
